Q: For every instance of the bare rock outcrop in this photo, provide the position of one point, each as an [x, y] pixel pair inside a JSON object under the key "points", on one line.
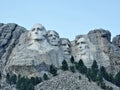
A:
{"points": [[32, 52], [36, 50], [9, 37], [116, 40], [97, 45]]}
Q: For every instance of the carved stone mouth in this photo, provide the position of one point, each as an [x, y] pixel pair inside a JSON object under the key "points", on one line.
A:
{"points": [[67, 51]]}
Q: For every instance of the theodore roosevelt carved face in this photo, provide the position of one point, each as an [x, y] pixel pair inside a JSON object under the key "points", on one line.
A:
{"points": [[53, 37]]}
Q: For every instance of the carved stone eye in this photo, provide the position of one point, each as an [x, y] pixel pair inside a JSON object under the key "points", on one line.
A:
{"points": [[39, 29], [77, 43], [83, 42], [33, 29], [50, 35]]}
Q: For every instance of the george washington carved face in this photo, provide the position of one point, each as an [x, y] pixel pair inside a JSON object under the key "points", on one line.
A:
{"points": [[37, 32], [53, 37]]}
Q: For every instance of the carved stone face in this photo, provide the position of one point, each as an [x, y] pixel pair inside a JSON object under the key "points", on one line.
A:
{"points": [[53, 38], [82, 45], [38, 32], [65, 46]]}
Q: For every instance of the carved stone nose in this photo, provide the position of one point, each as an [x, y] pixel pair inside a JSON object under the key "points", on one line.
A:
{"points": [[36, 33], [67, 46], [80, 47], [54, 38]]}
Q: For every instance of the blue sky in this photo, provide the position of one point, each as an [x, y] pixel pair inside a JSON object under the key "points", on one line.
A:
{"points": [[68, 17]]}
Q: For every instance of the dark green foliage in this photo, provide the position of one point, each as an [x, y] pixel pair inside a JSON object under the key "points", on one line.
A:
{"points": [[33, 81], [30, 86], [108, 77], [38, 80], [81, 67], [0, 75], [110, 88], [103, 86], [117, 79], [94, 65], [111, 78], [64, 65], [45, 76], [25, 83], [99, 78], [72, 69], [13, 79], [76, 65], [103, 72], [53, 70], [93, 71], [79, 77], [72, 59], [8, 78], [80, 63]]}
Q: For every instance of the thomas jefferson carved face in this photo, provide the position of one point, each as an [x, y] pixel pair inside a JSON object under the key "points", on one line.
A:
{"points": [[65, 46], [38, 32], [82, 45], [53, 37]]}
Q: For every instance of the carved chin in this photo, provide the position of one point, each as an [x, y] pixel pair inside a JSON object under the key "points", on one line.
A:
{"points": [[67, 52], [38, 38], [54, 43]]}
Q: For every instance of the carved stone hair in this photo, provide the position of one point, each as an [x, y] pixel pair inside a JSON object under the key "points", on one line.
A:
{"points": [[52, 31], [28, 37], [61, 39]]}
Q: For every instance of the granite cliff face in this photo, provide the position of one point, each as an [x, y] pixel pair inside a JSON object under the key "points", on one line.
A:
{"points": [[9, 37], [38, 48], [31, 52]]}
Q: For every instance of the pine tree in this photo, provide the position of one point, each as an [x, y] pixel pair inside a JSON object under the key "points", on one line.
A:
{"points": [[64, 65], [117, 79], [72, 59], [30, 86], [45, 76], [38, 80], [72, 68], [94, 71], [99, 79], [13, 79], [0, 76], [81, 67], [53, 70], [8, 78], [33, 81], [94, 65], [104, 73]]}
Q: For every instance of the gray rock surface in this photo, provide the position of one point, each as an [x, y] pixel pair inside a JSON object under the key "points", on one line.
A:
{"points": [[116, 40], [31, 52], [37, 50], [110, 57], [9, 37], [68, 81], [96, 45]]}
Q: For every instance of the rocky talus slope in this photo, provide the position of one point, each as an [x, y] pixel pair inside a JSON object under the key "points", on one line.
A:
{"points": [[70, 81]]}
